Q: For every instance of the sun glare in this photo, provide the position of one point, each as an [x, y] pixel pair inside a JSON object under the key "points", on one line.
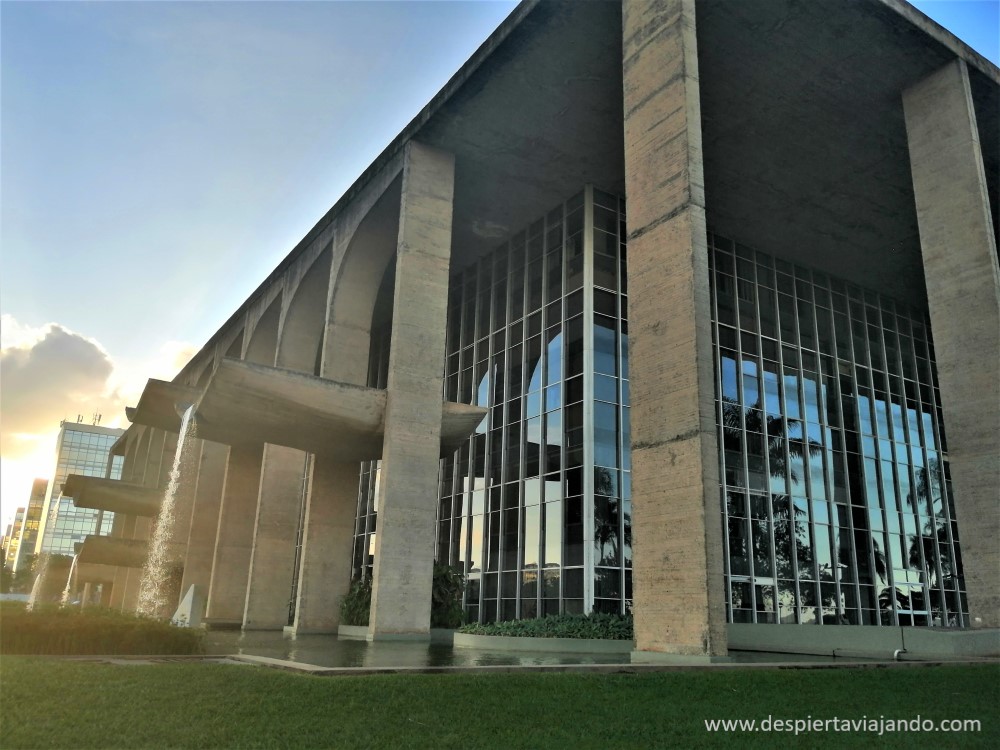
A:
{"points": [[17, 474]]}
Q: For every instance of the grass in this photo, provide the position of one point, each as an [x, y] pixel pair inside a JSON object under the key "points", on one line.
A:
{"points": [[50, 629], [49, 703]]}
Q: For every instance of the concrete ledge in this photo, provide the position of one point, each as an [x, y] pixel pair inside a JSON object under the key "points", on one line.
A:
{"points": [[557, 645], [353, 632], [444, 636], [661, 657], [866, 641]]}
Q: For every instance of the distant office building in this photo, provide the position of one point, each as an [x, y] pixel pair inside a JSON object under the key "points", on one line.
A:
{"points": [[32, 520], [13, 536], [82, 449]]}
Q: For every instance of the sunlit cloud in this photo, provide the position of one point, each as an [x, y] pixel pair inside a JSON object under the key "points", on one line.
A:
{"points": [[51, 373]]}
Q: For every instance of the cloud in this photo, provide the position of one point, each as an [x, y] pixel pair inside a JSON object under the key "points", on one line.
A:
{"points": [[49, 374]]}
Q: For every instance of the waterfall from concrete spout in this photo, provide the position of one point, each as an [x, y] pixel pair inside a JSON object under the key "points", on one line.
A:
{"points": [[156, 573], [36, 587], [69, 583]]}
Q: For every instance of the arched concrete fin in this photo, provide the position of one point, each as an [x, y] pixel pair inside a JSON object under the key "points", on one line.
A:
{"points": [[304, 319], [131, 444], [356, 287], [262, 345], [141, 456]]}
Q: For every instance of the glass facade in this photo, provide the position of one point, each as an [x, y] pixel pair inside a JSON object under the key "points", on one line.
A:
{"points": [[835, 495], [82, 450], [835, 488]]}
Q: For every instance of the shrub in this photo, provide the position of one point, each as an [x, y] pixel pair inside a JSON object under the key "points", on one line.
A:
{"points": [[446, 597], [51, 630], [354, 607], [610, 627]]}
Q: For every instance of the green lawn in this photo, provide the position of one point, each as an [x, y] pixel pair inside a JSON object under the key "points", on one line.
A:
{"points": [[48, 703]]}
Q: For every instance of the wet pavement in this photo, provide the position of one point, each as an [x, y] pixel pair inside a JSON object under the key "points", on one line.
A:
{"points": [[330, 652]]}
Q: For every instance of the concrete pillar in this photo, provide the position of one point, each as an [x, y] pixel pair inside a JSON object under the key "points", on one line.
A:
{"points": [[204, 523], [959, 251], [86, 595], [142, 529], [676, 522], [327, 544], [404, 549], [234, 539], [106, 591], [124, 528], [272, 559]]}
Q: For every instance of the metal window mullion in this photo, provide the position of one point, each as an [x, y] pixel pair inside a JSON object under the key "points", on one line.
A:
{"points": [[588, 399]]}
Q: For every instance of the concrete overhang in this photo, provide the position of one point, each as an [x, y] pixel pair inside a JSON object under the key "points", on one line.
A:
{"points": [[803, 134], [106, 550], [161, 405], [94, 572], [112, 495], [250, 403]]}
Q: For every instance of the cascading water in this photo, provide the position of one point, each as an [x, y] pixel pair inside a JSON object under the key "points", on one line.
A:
{"points": [[69, 583], [36, 587], [155, 574]]}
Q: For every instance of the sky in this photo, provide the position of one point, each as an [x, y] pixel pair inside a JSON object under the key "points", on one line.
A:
{"points": [[159, 159]]}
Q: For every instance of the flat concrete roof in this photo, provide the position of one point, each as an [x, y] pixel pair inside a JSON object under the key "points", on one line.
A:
{"points": [[251, 403], [106, 550], [113, 495]]}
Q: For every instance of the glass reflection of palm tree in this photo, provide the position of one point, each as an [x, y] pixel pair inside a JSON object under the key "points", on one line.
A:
{"points": [[925, 545], [790, 522], [606, 531]]}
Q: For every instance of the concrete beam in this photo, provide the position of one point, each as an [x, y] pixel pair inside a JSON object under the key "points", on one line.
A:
{"points": [[251, 403], [404, 549], [676, 522], [113, 495], [958, 245]]}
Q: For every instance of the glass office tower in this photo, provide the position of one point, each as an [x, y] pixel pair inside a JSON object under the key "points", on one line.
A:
{"points": [[834, 496], [82, 449]]}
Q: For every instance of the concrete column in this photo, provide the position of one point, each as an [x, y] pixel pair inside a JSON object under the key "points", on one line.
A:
{"points": [[231, 562], [959, 250], [204, 523], [124, 528], [327, 545], [272, 559], [404, 549], [676, 521], [141, 530]]}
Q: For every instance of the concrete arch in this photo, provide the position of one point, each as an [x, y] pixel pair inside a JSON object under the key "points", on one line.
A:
{"points": [[263, 342], [138, 473], [300, 340], [131, 448], [355, 289]]}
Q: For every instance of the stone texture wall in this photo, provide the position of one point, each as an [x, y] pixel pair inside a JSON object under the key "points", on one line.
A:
{"points": [[676, 526]]}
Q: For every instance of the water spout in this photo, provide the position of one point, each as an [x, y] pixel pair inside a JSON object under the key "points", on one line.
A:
{"points": [[38, 585], [69, 583], [156, 573]]}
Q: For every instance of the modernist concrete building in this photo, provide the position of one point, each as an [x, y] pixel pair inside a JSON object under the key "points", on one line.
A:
{"points": [[663, 307]]}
